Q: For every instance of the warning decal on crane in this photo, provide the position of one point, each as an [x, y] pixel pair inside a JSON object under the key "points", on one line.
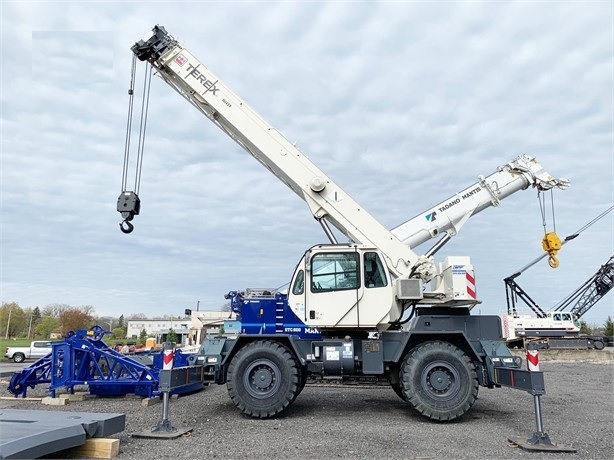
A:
{"points": [[470, 284]]}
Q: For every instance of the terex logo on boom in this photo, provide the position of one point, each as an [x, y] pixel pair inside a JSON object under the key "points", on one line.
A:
{"points": [[208, 84]]}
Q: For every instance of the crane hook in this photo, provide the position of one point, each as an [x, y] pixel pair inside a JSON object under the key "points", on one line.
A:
{"points": [[551, 244], [129, 227]]}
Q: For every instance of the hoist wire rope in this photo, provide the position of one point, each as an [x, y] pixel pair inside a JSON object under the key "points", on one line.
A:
{"points": [[129, 124], [552, 206], [542, 208], [592, 222], [143, 127]]}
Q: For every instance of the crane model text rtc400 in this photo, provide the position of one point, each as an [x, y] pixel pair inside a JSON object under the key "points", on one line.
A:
{"points": [[363, 310]]}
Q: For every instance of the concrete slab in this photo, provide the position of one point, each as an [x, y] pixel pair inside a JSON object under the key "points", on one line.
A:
{"points": [[34, 433]]}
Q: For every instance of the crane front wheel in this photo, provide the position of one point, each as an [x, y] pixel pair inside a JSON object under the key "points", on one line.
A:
{"points": [[263, 379], [439, 380]]}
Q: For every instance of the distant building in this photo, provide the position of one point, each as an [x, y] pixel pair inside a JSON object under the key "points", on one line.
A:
{"points": [[159, 328], [189, 330], [210, 322]]}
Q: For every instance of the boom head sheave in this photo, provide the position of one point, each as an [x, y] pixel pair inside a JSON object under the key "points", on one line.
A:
{"points": [[535, 174]]}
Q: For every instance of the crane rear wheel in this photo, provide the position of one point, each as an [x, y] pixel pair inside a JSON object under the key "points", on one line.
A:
{"points": [[439, 380]]}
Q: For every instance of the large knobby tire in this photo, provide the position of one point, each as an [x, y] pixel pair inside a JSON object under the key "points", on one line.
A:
{"points": [[19, 357], [302, 381], [439, 380], [395, 382], [398, 389], [263, 379]]}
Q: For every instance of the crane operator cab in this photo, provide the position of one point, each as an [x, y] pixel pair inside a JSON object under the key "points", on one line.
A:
{"points": [[342, 286], [345, 287]]}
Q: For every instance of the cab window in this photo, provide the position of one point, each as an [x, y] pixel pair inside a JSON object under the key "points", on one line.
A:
{"points": [[334, 271], [375, 275], [299, 283]]}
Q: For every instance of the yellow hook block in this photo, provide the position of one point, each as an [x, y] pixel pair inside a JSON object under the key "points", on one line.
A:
{"points": [[551, 244]]}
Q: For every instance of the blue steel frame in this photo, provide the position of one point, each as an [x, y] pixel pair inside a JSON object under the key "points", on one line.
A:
{"points": [[82, 358]]}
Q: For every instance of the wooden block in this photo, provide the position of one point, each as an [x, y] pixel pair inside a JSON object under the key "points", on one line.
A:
{"points": [[96, 448], [78, 396], [49, 401], [146, 402]]}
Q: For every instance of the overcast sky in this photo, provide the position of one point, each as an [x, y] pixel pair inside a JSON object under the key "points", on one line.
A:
{"points": [[403, 104]]}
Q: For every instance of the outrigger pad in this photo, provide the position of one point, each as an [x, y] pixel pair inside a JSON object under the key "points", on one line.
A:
{"points": [[162, 434], [539, 443]]}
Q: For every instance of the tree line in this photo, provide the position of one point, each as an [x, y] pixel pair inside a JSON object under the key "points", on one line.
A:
{"points": [[36, 322]]}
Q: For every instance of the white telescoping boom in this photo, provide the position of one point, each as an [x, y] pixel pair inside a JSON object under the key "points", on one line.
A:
{"points": [[451, 214]]}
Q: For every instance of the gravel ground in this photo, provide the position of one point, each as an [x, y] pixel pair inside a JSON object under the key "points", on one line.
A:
{"points": [[354, 422]]}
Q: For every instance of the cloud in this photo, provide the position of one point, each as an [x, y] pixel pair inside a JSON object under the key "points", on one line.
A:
{"points": [[401, 104]]}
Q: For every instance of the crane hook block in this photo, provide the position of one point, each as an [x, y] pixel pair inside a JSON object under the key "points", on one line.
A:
{"points": [[128, 205], [551, 244]]}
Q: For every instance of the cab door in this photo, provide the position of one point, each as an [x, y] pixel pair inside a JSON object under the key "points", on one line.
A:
{"points": [[376, 299]]}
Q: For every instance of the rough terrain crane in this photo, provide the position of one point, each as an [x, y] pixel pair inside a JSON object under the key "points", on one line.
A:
{"points": [[341, 316]]}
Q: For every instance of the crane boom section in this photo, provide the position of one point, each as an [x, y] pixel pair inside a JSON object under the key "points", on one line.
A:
{"points": [[591, 291], [326, 200], [449, 215]]}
